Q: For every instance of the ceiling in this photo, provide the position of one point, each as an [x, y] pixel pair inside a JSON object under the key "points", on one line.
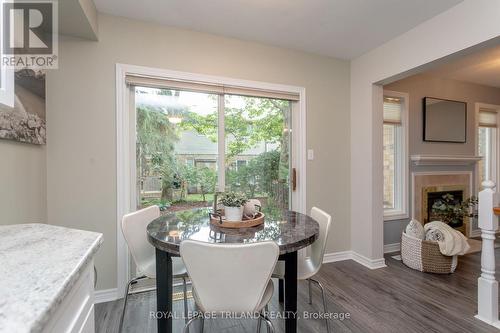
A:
{"points": [[338, 28], [482, 67]]}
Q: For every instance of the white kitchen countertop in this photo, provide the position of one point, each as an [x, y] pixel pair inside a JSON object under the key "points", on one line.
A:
{"points": [[39, 264]]}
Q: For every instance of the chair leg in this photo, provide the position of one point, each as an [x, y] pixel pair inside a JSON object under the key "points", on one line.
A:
{"points": [[324, 302], [310, 291], [269, 324], [185, 300], [190, 321], [200, 315], [266, 314], [262, 314], [259, 323], [131, 282]]}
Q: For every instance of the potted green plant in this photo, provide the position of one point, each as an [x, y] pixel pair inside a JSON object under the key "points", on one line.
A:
{"points": [[233, 205], [452, 211]]}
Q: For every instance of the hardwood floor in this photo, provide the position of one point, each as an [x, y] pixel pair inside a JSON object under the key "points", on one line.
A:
{"points": [[392, 299]]}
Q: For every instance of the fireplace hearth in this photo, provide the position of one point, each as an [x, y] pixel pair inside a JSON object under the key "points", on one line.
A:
{"points": [[428, 188]]}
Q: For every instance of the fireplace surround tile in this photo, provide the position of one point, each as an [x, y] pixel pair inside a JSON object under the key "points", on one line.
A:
{"points": [[423, 182]]}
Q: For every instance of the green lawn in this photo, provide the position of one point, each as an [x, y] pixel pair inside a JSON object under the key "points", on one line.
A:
{"points": [[198, 197]]}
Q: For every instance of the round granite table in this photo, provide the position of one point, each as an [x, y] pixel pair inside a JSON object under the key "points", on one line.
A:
{"points": [[292, 231]]}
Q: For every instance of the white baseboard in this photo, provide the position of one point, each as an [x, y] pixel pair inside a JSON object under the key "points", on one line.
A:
{"points": [[106, 295], [351, 255], [394, 247], [475, 233], [337, 256], [367, 262]]}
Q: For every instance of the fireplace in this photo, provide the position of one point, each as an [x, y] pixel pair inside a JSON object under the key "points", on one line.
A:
{"points": [[435, 196], [430, 187]]}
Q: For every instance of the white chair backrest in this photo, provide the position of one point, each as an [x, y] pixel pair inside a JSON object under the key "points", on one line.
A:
{"points": [[318, 247], [229, 277], [134, 227]]}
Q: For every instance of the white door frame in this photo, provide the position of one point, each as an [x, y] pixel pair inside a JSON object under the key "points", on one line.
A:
{"points": [[125, 146]]}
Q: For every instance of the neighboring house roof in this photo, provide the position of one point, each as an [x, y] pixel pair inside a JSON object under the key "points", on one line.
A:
{"points": [[192, 143]]}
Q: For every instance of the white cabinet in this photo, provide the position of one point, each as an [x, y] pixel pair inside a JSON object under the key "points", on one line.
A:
{"points": [[75, 314]]}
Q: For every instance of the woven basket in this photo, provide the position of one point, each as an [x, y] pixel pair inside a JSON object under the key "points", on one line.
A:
{"points": [[424, 255]]}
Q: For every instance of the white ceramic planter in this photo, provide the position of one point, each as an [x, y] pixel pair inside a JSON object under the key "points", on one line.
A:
{"points": [[233, 213]]}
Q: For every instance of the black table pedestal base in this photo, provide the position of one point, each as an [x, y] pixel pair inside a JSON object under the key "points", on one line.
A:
{"points": [[290, 292], [164, 285], [281, 290]]}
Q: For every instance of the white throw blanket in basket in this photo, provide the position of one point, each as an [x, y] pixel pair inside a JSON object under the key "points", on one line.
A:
{"points": [[451, 242]]}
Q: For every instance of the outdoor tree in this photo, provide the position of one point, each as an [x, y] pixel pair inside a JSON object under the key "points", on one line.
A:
{"points": [[248, 124], [156, 138], [207, 178], [259, 120]]}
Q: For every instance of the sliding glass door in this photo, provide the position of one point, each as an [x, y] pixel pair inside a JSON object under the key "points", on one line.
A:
{"points": [[191, 144], [257, 149]]}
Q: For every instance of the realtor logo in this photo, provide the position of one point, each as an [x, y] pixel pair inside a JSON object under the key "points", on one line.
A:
{"points": [[29, 38]]}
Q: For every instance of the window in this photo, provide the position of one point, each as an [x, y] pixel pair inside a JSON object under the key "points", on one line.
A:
{"points": [[487, 144], [195, 139], [395, 156], [241, 164]]}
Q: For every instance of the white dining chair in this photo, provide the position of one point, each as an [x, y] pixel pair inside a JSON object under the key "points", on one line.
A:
{"points": [[308, 267], [230, 278], [134, 230]]}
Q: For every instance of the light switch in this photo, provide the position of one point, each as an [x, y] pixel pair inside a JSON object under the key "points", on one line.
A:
{"points": [[310, 154]]}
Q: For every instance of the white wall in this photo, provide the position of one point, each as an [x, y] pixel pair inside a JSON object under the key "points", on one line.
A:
{"points": [[466, 25], [423, 85], [81, 148], [22, 183]]}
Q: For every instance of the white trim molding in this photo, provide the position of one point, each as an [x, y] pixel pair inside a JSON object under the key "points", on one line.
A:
{"points": [[495, 172], [444, 160], [126, 196], [351, 255], [475, 233], [394, 247], [367, 262], [337, 256], [123, 169], [106, 295], [401, 211]]}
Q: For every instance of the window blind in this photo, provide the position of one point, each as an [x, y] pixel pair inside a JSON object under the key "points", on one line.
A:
{"points": [[393, 108], [206, 87], [487, 118]]}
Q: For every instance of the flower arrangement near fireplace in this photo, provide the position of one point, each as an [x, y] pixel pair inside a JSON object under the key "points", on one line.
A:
{"points": [[452, 210]]}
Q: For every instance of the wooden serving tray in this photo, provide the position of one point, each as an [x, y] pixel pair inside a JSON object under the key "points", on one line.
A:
{"points": [[218, 220], [496, 210]]}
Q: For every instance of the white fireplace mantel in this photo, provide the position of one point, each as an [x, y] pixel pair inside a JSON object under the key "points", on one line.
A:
{"points": [[444, 159]]}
